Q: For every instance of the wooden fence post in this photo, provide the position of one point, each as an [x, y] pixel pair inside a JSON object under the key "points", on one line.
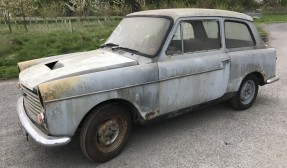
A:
{"points": [[71, 26], [6, 26], [100, 23], [65, 23], [47, 23], [16, 24]]}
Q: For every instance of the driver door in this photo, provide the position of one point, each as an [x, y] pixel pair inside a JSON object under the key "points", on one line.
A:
{"points": [[195, 68]]}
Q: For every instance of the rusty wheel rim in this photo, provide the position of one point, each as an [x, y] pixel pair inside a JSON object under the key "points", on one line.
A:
{"points": [[110, 134]]}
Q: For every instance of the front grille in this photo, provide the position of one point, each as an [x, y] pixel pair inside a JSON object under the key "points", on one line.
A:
{"points": [[33, 107], [32, 104]]}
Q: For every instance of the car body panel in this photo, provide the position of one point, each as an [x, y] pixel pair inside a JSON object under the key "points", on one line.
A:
{"points": [[191, 12], [249, 61], [77, 83], [94, 61], [76, 96], [198, 79]]}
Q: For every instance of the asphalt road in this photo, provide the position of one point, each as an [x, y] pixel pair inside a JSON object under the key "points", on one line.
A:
{"points": [[217, 136]]}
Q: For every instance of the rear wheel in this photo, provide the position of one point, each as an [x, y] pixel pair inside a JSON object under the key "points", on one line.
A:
{"points": [[246, 94], [105, 132]]}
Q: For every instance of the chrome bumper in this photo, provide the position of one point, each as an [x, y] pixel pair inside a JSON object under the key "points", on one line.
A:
{"points": [[272, 80], [35, 132]]}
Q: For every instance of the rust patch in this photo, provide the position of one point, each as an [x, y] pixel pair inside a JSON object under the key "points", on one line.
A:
{"points": [[57, 89], [152, 114], [26, 64]]}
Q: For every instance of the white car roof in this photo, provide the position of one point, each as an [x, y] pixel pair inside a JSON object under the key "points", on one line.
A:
{"points": [[192, 12]]}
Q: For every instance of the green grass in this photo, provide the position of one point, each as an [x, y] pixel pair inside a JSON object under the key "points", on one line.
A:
{"points": [[267, 19], [42, 42], [272, 19]]}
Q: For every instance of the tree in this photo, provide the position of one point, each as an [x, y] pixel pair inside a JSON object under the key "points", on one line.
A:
{"points": [[15, 8], [5, 9], [52, 9], [272, 3], [24, 8], [81, 7]]}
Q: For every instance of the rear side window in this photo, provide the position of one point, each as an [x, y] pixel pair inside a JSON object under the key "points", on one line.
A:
{"points": [[238, 34]]}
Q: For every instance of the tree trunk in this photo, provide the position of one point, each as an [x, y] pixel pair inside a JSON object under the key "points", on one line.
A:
{"points": [[7, 18], [24, 16]]}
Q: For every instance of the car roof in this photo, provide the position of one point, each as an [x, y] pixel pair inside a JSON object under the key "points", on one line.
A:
{"points": [[191, 12]]}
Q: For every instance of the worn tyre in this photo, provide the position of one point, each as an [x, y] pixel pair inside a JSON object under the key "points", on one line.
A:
{"points": [[105, 132], [246, 94]]}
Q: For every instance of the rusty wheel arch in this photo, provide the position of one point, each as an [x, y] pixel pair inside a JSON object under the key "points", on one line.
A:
{"points": [[259, 76], [135, 115]]}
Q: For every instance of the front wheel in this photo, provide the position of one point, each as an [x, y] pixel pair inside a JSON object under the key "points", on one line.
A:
{"points": [[246, 94], [105, 132]]}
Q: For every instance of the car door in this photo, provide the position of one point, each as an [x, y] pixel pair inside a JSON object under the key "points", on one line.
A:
{"points": [[194, 68]]}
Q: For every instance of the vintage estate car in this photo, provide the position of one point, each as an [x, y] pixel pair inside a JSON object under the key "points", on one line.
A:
{"points": [[155, 64]]}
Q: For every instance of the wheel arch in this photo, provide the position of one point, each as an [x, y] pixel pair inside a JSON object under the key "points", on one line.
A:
{"points": [[259, 76], [135, 115], [237, 102]]}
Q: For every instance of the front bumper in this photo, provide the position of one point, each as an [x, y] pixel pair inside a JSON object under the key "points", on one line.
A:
{"points": [[35, 132]]}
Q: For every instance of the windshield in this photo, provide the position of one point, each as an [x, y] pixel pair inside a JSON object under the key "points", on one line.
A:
{"points": [[142, 34]]}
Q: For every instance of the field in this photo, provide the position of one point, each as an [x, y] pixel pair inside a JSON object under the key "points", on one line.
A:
{"points": [[44, 40], [53, 38]]}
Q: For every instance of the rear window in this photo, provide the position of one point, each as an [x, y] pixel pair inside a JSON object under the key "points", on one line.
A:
{"points": [[238, 34]]}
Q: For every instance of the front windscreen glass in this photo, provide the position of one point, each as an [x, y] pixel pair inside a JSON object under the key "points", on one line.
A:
{"points": [[140, 34]]}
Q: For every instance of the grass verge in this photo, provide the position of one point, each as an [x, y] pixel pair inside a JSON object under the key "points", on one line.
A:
{"points": [[43, 42], [267, 19]]}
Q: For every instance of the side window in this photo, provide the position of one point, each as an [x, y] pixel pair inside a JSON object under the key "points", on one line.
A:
{"points": [[187, 31], [237, 35], [195, 35], [211, 29]]}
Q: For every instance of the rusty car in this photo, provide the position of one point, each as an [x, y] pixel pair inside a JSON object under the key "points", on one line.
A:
{"points": [[155, 64]]}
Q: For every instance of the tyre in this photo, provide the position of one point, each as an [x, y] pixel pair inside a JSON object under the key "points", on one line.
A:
{"points": [[105, 132], [246, 94]]}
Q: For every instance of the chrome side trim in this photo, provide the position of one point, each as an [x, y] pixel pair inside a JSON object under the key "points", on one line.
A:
{"points": [[108, 90], [272, 80], [35, 132]]}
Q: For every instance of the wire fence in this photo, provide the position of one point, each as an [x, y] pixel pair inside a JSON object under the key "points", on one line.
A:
{"points": [[69, 24]]}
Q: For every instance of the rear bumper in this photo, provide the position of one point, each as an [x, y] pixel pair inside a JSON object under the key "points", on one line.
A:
{"points": [[272, 80], [35, 132]]}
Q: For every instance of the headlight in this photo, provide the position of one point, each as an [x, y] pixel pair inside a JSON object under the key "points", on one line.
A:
{"points": [[41, 118]]}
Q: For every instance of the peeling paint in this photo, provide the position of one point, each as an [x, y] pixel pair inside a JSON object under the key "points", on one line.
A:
{"points": [[249, 61], [55, 89], [27, 64], [152, 114], [153, 86]]}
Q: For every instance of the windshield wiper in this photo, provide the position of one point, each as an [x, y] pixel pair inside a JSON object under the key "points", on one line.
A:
{"points": [[109, 45], [125, 48]]}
